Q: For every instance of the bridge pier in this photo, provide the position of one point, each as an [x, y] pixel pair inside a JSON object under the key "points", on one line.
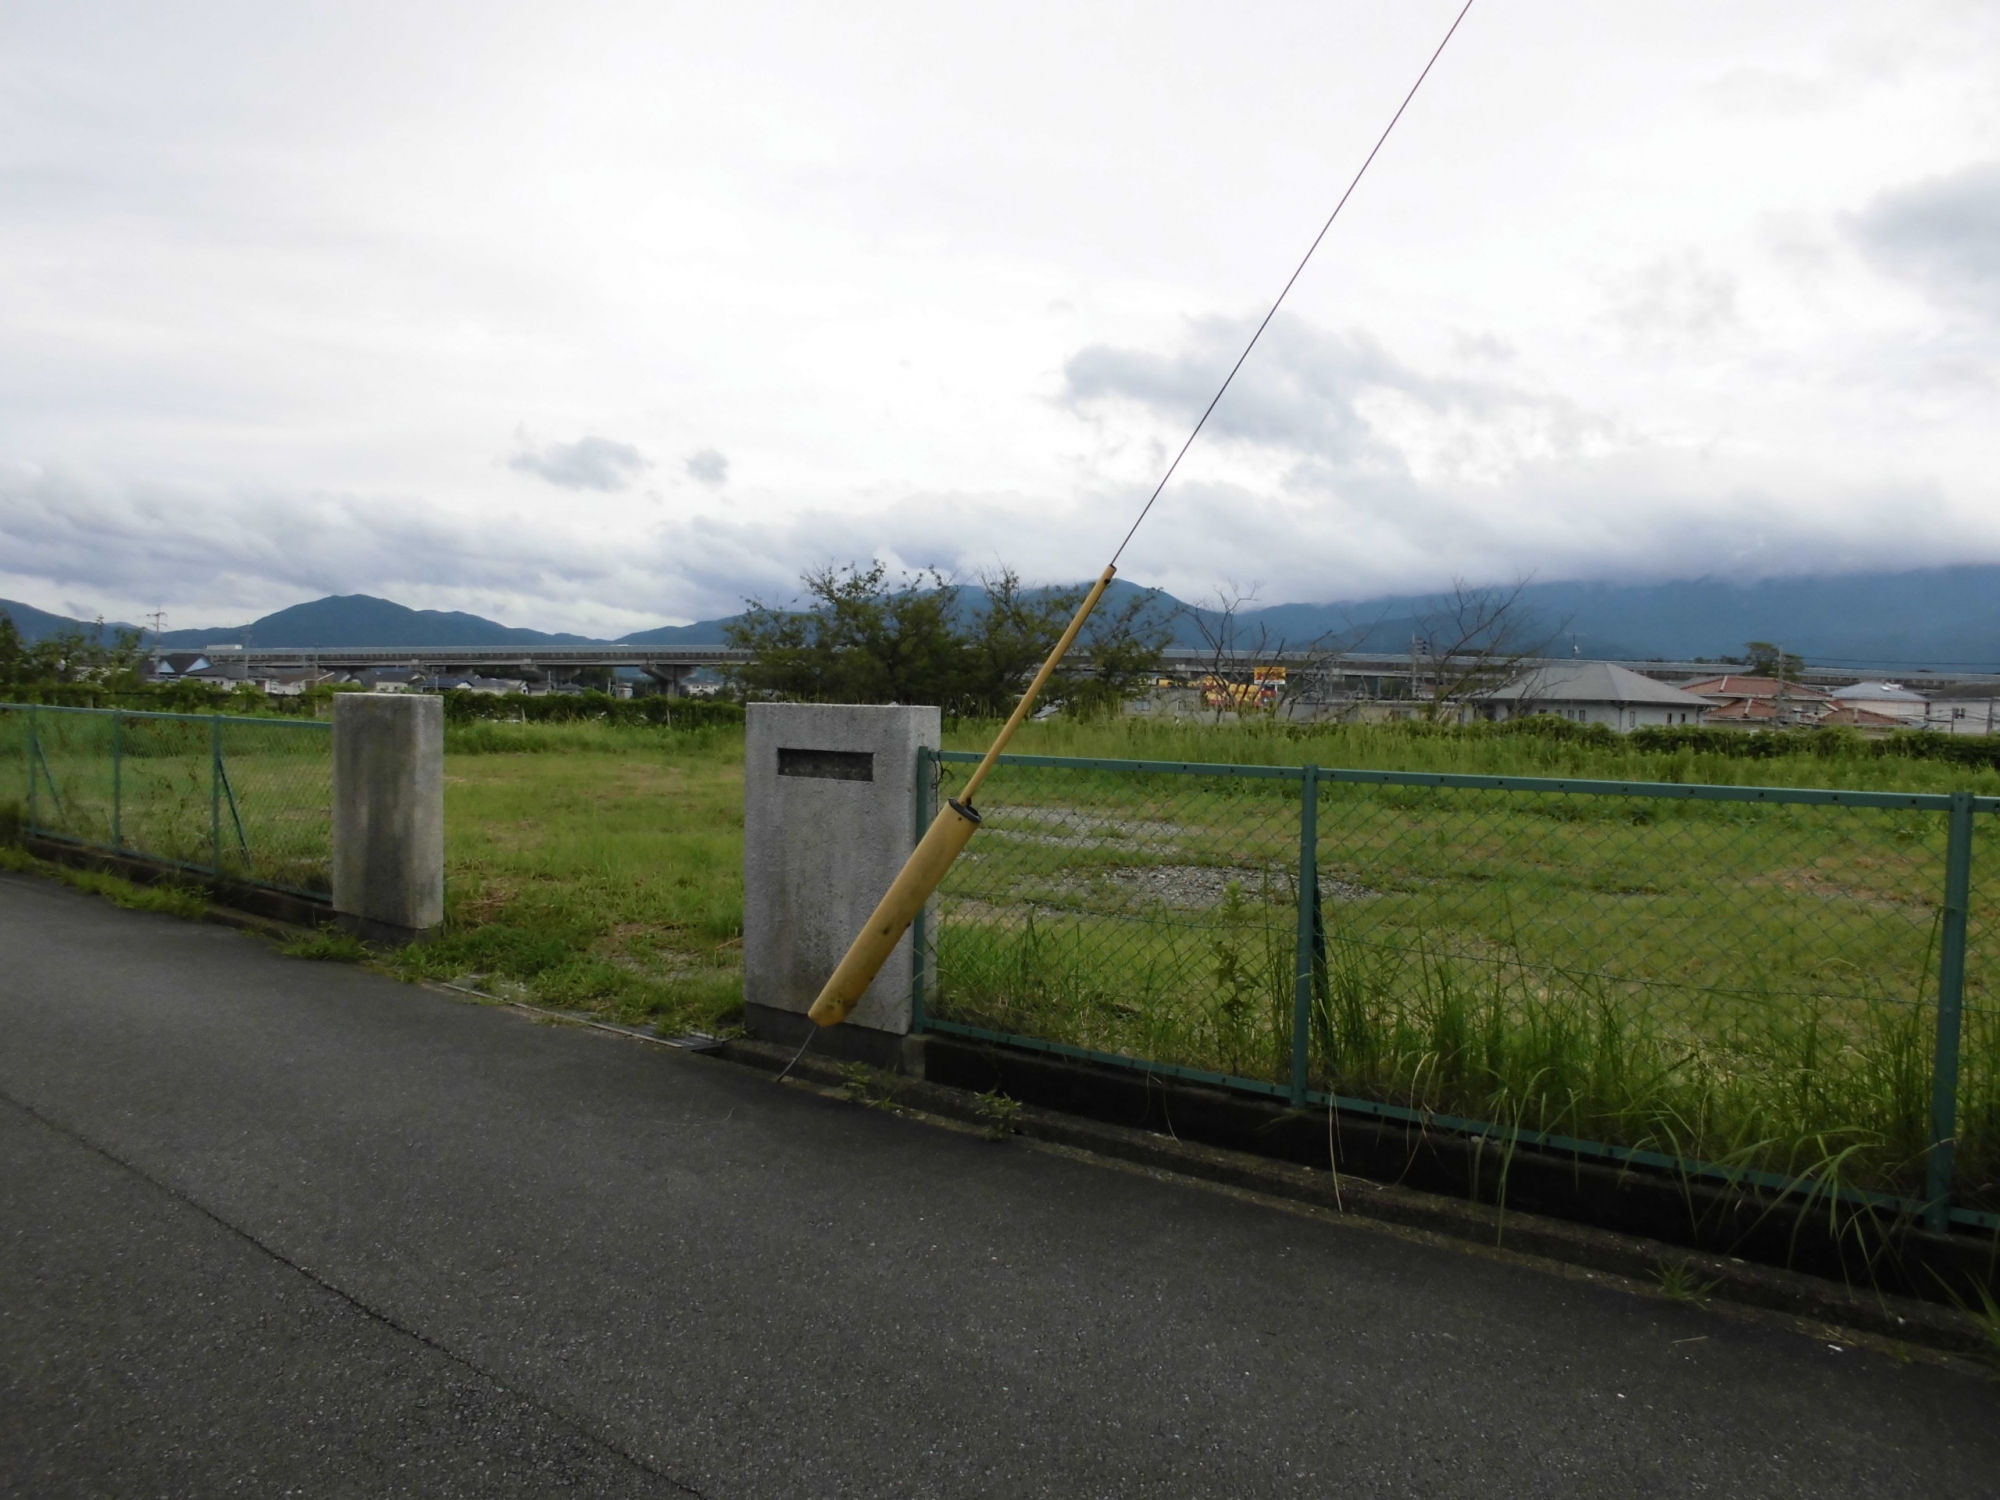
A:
{"points": [[669, 676]]}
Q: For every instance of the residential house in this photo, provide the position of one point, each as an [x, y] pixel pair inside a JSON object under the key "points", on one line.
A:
{"points": [[1965, 709], [292, 682], [172, 666], [1889, 700], [1591, 692], [474, 683], [1760, 702]]}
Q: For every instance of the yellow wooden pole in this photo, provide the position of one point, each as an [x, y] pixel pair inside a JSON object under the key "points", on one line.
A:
{"points": [[941, 844]]}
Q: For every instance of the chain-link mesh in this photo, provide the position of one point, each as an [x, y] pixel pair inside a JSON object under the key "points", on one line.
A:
{"points": [[1710, 977], [277, 800], [246, 799], [1719, 980], [1149, 915]]}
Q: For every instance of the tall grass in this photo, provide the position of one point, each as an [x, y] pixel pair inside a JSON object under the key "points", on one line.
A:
{"points": [[1839, 1094]]}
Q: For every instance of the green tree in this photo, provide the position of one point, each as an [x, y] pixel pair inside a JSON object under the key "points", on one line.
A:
{"points": [[1767, 660], [861, 640], [1006, 639], [69, 665], [858, 641], [13, 653], [1124, 647]]}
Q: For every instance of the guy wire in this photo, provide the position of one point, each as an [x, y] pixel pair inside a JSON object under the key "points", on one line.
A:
{"points": [[797, 1055], [1351, 186]]}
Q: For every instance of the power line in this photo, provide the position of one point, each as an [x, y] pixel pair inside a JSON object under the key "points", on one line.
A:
{"points": [[1299, 271]]}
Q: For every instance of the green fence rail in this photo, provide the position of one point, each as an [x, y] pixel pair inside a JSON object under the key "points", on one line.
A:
{"points": [[247, 800], [1773, 986]]}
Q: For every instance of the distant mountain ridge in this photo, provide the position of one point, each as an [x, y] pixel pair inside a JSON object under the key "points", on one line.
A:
{"points": [[1939, 617], [364, 620]]}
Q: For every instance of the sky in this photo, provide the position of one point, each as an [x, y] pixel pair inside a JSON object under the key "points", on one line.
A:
{"points": [[596, 316]]}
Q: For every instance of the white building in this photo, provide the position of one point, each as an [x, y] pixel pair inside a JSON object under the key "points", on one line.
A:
{"points": [[1963, 710], [1592, 692], [1890, 699]]}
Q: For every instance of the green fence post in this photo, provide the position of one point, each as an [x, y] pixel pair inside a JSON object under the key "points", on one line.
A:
{"points": [[215, 792], [1950, 1003], [1302, 983], [922, 802], [34, 782], [117, 778]]}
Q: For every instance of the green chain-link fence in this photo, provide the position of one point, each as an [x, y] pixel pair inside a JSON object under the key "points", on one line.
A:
{"points": [[1782, 986], [247, 800]]}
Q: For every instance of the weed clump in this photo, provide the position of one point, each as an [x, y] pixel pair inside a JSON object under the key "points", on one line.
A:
{"points": [[329, 945], [1000, 1113], [1679, 1283]]}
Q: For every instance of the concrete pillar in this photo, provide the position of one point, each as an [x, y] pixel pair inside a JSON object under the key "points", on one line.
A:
{"points": [[829, 816], [388, 813], [669, 676]]}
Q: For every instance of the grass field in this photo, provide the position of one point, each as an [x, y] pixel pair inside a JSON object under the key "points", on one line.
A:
{"points": [[1724, 980], [595, 867]]}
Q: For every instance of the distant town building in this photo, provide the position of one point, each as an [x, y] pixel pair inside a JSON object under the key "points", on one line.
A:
{"points": [[1890, 700], [1760, 702], [1965, 709], [1591, 692], [389, 680]]}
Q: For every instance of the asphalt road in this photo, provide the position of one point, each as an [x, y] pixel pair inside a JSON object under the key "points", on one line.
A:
{"points": [[270, 1227]]}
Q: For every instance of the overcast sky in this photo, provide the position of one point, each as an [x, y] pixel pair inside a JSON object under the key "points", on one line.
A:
{"points": [[593, 316]]}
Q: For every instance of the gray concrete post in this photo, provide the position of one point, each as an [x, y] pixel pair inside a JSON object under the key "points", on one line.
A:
{"points": [[388, 813], [829, 816]]}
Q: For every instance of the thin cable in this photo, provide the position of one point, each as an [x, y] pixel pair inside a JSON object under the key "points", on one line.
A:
{"points": [[1288, 285], [797, 1055]]}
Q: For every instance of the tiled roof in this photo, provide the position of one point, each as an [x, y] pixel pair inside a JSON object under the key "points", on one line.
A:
{"points": [[1729, 685], [1853, 716], [1744, 708]]}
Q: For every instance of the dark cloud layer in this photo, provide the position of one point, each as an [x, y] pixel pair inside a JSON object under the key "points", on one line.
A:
{"points": [[1943, 234], [591, 463]]}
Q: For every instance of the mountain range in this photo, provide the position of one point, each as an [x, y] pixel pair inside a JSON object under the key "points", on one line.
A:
{"points": [[1932, 617]]}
